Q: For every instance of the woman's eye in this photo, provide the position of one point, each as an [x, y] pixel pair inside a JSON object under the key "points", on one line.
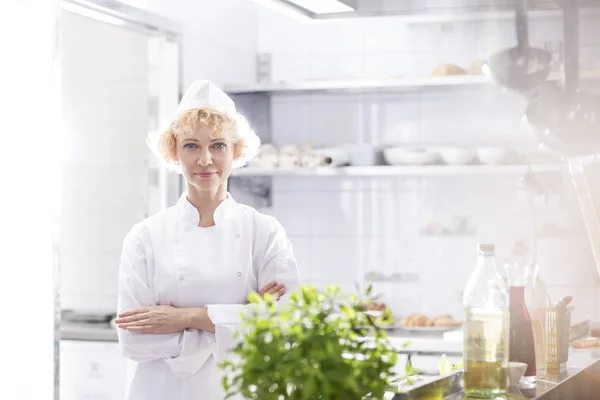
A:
{"points": [[189, 146], [219, 145]]}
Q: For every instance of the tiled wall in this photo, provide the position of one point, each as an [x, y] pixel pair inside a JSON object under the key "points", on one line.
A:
{"points": [[343, 229], [105, 109]]}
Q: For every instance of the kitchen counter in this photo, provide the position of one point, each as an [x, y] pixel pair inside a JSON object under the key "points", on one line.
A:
{"points": [[579, 381], [88, 331]]}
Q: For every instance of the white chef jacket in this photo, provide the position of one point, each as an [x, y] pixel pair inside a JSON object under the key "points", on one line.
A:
{"points": [[168, 260]]}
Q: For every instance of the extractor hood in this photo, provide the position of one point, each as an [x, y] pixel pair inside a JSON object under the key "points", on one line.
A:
{"points": [[412, 8]]}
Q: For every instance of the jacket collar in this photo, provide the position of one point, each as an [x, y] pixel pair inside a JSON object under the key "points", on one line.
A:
{"points": [[189, 214]]}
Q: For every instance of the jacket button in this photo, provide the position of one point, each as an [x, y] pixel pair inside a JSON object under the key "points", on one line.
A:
{"points": [[239, 274], [176, 241], [181, 278], [237, 236]]}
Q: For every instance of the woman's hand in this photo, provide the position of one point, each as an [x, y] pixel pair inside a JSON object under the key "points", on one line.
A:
{"points": [[156, 319], [274, 289]]}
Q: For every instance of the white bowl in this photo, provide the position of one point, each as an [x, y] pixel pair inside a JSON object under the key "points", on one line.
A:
{"points": [[516, 370], [457, 155], [409, 156], [492, 155]]}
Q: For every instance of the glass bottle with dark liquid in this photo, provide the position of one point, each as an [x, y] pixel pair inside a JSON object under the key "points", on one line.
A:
{"points": [[521, 337]]}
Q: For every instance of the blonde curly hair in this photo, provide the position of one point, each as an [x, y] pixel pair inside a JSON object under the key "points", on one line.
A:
{"points": [[246, 143]]}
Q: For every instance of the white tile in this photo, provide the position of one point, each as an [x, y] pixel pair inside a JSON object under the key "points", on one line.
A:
{"points": [[302, 253], [402, 298], [542, 30], [289, 68], [333, 214], [584, 300], [290, 120], [390, 35], [336, 66], [336, 37], [334, 259], [438, 298], [334, 120], [319, 184], [589, 30], [566, 262], [88, 279], [108, 187], [589, 57], [293, 211], [495, 35]]}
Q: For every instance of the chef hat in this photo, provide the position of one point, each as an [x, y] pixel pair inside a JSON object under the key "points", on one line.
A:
{"points": [[204, 94]]}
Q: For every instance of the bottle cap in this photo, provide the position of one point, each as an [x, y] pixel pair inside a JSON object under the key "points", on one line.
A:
{"points": [[487, 248]]}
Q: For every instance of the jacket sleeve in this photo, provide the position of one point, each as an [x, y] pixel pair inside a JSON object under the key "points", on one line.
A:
{"points": [[275, 261], [186, 351]]}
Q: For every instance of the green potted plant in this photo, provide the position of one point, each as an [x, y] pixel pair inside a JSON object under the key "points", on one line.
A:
{"points": [[321, 345]]}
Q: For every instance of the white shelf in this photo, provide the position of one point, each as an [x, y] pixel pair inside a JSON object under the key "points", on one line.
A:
{"points": [[360, 85], [378, 85], [391, 171]]}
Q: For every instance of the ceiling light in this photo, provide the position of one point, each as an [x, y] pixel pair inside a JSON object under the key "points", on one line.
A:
{"points": [[90, 13], [285, 9], [322, 6]]}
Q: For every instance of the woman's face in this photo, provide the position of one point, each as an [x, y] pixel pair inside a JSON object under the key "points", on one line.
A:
{"points": [[206, 157]]}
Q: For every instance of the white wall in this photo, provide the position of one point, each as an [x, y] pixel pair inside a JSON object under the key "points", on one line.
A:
{"points": [[105, 179], [220, 38], [320, 214]]}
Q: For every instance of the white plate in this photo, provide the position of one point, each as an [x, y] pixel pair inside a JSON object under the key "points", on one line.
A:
{"points": [[428, 328]]}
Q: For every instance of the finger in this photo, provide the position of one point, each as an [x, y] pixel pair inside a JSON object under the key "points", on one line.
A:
{"points": [[135, 323], [267, 287], [136, 317], [141, 328], [277, 288], [133, 312]]}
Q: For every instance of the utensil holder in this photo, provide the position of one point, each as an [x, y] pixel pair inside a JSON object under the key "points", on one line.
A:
{"points": [[558, 329]]}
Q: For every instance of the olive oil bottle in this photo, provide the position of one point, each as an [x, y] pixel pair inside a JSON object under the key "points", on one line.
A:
{"points": [[486, 333]]}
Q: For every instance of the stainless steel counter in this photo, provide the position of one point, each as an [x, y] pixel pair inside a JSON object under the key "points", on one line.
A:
{"points": [[579, 381], [88, 331]]}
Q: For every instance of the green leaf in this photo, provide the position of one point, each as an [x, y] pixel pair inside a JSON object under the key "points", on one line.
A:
{"points": [[307, 349], [445, 365], [254, 298]]}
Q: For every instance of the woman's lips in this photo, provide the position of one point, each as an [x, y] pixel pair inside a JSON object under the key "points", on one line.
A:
{"points": [[205, 175]]}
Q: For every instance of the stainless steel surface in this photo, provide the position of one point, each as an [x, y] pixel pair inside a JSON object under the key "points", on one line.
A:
{"points": [[521, 68], [583, 369], [440, 387], [88, 331]]}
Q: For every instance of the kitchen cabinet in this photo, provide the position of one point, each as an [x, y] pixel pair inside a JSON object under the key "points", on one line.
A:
{"points": [[92, 370]]}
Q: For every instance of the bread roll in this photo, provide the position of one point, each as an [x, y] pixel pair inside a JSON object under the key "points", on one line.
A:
{"points": [[444, 322], [476, 67], [449, 70], [587, 342]]}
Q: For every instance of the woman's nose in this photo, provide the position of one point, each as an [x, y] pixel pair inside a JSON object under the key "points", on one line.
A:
{"points": [[204, 159]]}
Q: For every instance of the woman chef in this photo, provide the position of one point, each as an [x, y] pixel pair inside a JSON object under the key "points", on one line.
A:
{"points": [[186, 272]]}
